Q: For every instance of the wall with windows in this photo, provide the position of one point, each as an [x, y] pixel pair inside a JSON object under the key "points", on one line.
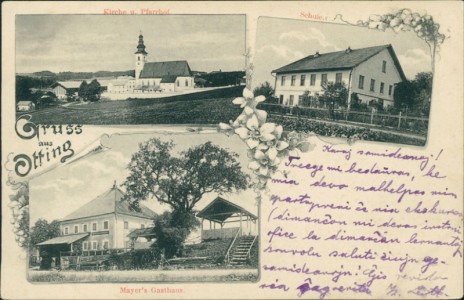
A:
{"points": [[369, 77], [126, 224], [184, 83], [290, 87]]}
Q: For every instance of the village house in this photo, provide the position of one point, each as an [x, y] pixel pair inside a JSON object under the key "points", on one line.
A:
{"points": [[370, 73], [62, 88], [101, 224], [25, 106]]}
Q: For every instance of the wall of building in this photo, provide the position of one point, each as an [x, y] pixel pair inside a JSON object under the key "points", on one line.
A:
{"points": [[132, 224], [372, 69], [285, 91], [183, 83], [60, 92]]}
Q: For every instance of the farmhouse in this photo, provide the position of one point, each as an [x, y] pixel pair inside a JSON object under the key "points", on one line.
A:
{"points": [[370, 73], [101, 224], [25, 106], [61, 88]]}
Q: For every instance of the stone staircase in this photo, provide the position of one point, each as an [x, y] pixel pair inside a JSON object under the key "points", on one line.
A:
{"points": [[241, 250]]}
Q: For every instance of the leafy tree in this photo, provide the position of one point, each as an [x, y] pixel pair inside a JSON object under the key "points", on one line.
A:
{"points": [[266, 90], [181, 181], [414, 95], [42, 231], [335, 93], [306, 99], [93, 91], [23, 85], [83, 90]]}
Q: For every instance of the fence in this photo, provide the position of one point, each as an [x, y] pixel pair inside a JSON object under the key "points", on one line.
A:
{"points": [[399, 122]]}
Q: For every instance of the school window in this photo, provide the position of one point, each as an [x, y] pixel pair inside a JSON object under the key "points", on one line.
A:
{"points": [[390, 88], [293, 80], [313, 79], [323, 79], [281, 99], [338, 78], [66, 230], [94, 226], [382, 86], [384, 66], [186, 82], [106, 245], [300, 98], [126, 225], [105, 225], [84, 228], [76, 229], [85, 246], [302, 80], [361, 82], [282, 81], [94, 245], [178, 83], [372, 85], [290, 102]]}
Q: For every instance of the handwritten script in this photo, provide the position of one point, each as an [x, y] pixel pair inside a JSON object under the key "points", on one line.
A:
{"points": [[352, 222]]}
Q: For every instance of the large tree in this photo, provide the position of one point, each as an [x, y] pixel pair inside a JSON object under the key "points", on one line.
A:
{"points": [[414, 95], [42, 231], [335, 93], [266, 90], [181, 181]]}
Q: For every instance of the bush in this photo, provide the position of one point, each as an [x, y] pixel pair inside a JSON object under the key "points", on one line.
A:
{"points": [[135, 259]]}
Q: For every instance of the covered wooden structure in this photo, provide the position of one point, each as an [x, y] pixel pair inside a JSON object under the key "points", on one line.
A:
{"points": [[220, 212]]}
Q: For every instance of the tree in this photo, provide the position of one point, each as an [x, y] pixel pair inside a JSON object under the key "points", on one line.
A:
{"points": [[266, 90], [306, 99], [42, 231], [93, 91], [181, 181], [335, 93], [83, 90], [414, 95]]}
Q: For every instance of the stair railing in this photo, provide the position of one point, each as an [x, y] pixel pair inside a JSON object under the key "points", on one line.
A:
{"points": [[251, 246], [227, 257]]}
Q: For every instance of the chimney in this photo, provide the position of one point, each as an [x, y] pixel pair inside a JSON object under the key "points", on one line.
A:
{"points": [[317, 54], [348, 50], [114, 185]]}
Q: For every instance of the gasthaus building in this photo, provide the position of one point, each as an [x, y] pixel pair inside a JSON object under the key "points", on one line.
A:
{"points": [[370, 73], [101, 224]]}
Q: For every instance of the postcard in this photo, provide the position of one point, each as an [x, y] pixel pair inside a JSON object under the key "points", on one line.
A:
{"points": [[232, 150]]}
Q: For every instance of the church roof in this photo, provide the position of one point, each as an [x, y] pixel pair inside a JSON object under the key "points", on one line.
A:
{"points": [[169, 79], [339, 60], [165, 68], [108, 203]]}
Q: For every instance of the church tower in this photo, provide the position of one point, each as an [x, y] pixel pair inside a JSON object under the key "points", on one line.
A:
{"points": [[140, 57]]}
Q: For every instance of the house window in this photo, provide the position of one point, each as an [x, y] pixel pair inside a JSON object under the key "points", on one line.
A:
{"points": [[106, 244], [293, 80], [382, 86], [178, 83], [372, 85], [142, 226], [300, 98], [313, 79], [290, 102], [94, 245], [76, 229], [186, 82], [361, 82], [126, 225], [302, 80], [338, 78], [390, 89], [281, 99], [282, 81], [384, 66], [105, 225], [94, 226], [323, 79], [85, 246], [66, 230], [138, 57], [84, 228]]}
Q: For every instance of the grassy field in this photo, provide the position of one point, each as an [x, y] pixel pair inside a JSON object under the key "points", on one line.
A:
{"points": [[210, 107], [144, 276]]}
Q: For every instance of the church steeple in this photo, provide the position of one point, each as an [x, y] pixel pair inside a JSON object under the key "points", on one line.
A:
{"points": [[141, 46]]}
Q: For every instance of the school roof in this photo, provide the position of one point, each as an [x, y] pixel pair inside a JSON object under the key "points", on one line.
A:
{"points": [[64, 239], [221, 209], [339, 60], [161, 69], [109, 203]]}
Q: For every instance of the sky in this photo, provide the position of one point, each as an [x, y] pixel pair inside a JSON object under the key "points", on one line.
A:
{"points": [[57, 193], [89, 43], [283, 41]]}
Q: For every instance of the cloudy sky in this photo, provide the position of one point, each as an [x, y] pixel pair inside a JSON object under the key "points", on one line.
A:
{"points": [[59, 192], [108, 42], [282, 41]]}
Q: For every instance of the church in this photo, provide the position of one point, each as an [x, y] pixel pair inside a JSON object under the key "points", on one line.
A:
{"points": [[152, 77]]}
